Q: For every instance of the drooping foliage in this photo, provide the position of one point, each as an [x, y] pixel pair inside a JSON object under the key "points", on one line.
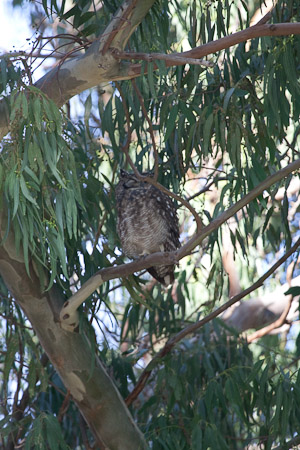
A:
{"points": [[226, 127]]}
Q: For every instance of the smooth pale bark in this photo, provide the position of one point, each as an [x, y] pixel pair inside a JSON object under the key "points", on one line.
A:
{"points": [[94, 392], [260, 311]]}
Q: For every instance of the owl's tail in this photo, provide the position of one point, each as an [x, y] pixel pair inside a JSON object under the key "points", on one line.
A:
{"points": [[163, 274]]}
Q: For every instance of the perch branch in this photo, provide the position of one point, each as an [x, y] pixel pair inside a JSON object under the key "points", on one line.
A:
{"points": [[195, 326], [69, 314]]}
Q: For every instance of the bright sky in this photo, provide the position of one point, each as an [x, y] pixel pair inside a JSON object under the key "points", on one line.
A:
{"points": [[14, 27]]}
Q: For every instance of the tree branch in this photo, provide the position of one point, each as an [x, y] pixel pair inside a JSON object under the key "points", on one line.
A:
{"points": [[256, 31], [195, 326], [216, 223], [272, 326], [71, 77], [69, 314], [118, 25], [175, 59]]}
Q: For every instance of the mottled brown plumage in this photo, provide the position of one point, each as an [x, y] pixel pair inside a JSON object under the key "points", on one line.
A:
{"points": [[147, 222]]}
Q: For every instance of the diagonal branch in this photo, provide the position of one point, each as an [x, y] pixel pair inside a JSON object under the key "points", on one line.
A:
{"points": [[69, 314], [216, 223], [72, 77], [256, 31], [195, 326]]}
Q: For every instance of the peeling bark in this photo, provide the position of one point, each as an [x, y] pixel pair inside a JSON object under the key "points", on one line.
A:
{"points": [[85, 71]]}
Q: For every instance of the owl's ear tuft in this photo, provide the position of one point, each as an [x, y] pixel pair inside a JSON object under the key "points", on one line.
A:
{"points": [[123, 173]]}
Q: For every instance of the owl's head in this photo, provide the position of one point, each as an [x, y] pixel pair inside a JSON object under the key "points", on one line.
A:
{"points": [[130, 181]]}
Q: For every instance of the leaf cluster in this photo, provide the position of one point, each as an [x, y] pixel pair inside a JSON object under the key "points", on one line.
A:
{"points": [[39, 180], [212, 394]]}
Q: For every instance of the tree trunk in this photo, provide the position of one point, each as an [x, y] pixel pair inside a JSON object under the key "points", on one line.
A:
{"points": [[92, 389]]}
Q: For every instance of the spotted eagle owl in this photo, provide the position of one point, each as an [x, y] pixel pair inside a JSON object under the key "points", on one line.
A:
{"points": [[147, 222]]}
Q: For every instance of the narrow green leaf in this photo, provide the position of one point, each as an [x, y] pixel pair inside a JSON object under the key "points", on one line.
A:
{"points": [[36, 107], [26, 192], [10, 356], [3, 69], [31, 377], [294, 291], [32, 174], [16, 195], [207, 133], [171, 122], [48, 154], [151, 80], [227, 98]]}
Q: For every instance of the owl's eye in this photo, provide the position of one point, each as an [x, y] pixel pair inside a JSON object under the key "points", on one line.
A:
{"points": [[130, 184]]}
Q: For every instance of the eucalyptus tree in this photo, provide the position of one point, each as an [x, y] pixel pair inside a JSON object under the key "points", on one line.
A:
{"points": [[205, 95]]}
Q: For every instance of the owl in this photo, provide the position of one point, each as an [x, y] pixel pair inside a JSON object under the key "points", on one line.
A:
{"points": [[147, 222]]}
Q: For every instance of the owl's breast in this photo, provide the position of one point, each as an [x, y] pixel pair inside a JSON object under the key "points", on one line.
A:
{"points": [[141, 226]]}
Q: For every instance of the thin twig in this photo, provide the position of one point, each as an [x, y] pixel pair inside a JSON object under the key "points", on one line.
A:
{"points": [[195, 326], [265, 18], [290, 444], [85, 439], [64, 407], [125, 147], [179, 199], [151, 131], [117, 22], [206, 188]]}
